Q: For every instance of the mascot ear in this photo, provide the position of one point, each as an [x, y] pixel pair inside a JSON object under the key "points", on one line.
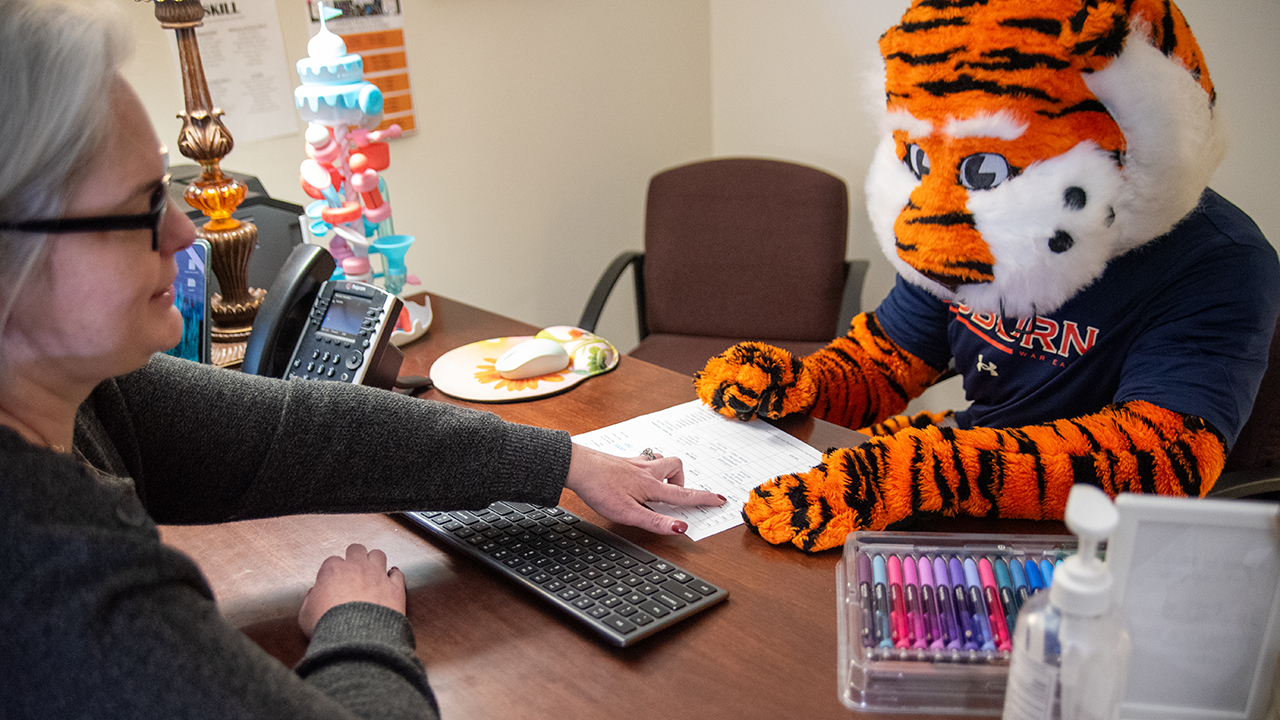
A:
{"points": [[1099, 31], [1144, 65], [1096, 34]]}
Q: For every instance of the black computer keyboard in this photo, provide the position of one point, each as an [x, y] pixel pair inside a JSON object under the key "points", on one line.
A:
{"points": [[610, 585]]}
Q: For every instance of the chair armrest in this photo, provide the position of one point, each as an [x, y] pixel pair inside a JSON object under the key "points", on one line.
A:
{"points": [[1247, 483], [604, 286]]}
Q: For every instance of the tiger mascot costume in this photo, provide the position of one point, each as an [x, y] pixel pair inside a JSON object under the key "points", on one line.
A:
{"points": [[1041, 189]]}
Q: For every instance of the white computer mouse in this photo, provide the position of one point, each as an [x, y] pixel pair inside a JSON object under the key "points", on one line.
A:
{"points": [[532, 358]]}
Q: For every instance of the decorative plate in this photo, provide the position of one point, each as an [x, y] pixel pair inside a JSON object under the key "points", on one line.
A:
{"points": [[467, 372]]}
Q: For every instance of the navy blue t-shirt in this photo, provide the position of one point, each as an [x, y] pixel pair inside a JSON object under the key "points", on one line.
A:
{"points": [[1183, 322]]}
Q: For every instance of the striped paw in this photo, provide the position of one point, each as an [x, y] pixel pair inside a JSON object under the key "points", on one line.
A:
{"points": [[816, 509], [751, 379]]}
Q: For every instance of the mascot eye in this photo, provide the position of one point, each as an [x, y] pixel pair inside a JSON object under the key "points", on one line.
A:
{"points": [[917, 161], [984, 171]]}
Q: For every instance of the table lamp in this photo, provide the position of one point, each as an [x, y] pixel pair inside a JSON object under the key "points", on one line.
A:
{"points": [[206, 140]]}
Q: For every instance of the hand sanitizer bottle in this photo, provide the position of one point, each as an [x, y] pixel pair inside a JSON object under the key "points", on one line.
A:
{"points": [[1070, 647]]}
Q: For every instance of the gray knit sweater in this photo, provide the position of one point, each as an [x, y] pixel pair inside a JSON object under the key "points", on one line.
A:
{"points": [[98, 619]]}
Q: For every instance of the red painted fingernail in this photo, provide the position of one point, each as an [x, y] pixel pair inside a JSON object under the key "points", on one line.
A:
{"points": [[723, 499], [679, 527]]}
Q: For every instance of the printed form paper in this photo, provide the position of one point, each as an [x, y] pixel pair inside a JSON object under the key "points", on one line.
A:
{"points": [[724, 456]]}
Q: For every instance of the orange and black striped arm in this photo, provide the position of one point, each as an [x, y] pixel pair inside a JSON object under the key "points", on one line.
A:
{"points": [[855, 381], [864, 377], [1012, 473]]}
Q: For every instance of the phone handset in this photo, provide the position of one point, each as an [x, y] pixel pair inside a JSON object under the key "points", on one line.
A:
{"points": [[347, 336], [285, 310]]}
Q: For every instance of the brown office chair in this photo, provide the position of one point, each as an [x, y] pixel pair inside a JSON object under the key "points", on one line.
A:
{"points": [[738, 249], [1253, 467]]}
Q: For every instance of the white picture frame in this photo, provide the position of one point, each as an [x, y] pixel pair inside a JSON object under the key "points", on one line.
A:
{"points": [[1198, 582]]}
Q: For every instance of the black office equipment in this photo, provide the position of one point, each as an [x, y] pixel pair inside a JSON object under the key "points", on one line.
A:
{"points": [[347, 336], [312, 327], [604, 582]]}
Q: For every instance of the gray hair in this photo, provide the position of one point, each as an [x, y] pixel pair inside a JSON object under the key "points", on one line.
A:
{"points": [[58, 64]]}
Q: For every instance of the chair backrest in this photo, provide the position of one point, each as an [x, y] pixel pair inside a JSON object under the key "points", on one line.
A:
{"points": [[745, 247], [1258, 445]]}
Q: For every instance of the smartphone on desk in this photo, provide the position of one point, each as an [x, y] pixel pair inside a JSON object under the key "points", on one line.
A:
{"points": [[311, 326], [191, 296]]}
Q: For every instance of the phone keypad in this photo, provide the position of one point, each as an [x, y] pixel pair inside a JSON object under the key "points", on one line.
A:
{"points": [[324, 356]]}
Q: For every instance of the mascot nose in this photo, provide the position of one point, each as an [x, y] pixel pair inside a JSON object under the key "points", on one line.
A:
{"points": [[935, 234]]}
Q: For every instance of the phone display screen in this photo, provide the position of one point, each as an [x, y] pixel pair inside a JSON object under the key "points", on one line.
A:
{"points": [[345, 314]]}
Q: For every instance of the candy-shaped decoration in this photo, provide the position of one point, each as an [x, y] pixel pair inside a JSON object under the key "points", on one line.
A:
{"points": [[333, 91], [365, 181], [357, 268], [345, 157], [393, 248], [317, 181], [347, 212], [321, 146]]}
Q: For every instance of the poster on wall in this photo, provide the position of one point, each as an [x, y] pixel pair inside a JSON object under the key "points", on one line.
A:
{"points": [[374, 30], [242, 52]]}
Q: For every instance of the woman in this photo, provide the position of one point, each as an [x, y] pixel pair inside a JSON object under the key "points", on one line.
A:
{"points": [[98, 440]]}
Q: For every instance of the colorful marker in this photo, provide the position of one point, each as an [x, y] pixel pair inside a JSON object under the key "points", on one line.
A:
{"points": [[880, 602], [977, 605], [946, 613], [1006, 593], [915, 616], [897, 605], [1034, 579], [995, 609], [1046, 571], [928, 593], [1021, 590], [864, 600], [962, 606]]}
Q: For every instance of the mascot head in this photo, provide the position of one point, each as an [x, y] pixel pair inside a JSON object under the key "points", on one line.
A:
{"points": [[1027, 143]]}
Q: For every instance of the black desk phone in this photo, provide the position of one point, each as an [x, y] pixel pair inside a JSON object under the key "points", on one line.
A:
{"points": [[312, 327]]}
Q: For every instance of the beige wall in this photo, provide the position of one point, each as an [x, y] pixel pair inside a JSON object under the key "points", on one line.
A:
{"points": [[542, 120]]}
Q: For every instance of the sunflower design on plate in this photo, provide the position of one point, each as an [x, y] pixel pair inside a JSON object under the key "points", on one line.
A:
{"points": [[487, 375]]}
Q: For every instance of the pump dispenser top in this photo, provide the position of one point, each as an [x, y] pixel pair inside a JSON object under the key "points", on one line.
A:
{"points": [[1082, 585]]}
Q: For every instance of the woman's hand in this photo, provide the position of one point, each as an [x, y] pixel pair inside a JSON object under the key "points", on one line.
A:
{"points": [[361, 576], [617, 488]]}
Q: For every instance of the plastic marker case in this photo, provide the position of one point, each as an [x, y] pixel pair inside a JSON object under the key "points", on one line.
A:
{"points": [[924, 619]]}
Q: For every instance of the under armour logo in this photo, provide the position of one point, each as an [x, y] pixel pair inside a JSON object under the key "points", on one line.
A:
{"points": [[987, 367]]}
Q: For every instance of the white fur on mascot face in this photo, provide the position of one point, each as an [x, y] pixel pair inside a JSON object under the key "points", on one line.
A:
{"points": [[1053, 227]]}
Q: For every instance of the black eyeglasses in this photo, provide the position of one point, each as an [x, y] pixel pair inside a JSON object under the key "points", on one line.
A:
{"points": [[105, 223]]}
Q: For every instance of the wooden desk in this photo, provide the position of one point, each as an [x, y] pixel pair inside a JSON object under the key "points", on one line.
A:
{"points": [[492, 651]]}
